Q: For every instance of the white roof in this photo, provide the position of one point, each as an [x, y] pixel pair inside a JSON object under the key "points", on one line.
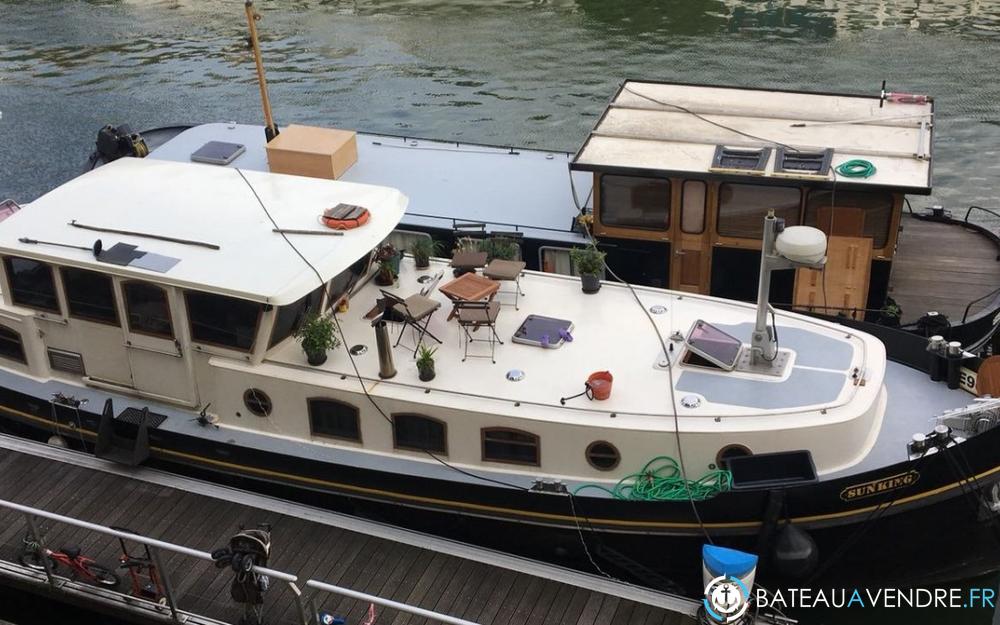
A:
{"points": [[211, 204], [662, 128]]}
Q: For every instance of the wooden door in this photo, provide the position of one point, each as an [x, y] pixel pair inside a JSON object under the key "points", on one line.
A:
{"points": [[691, 248], [848, 269]]}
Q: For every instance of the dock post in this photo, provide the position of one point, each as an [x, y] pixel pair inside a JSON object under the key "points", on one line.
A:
{"points": [[168, 588], [42, 551]]}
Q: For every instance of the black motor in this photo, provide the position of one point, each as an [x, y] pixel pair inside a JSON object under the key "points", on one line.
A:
{"points": [[115, 142]]}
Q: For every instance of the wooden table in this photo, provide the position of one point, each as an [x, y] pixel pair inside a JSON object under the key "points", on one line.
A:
{"points": [[469, 287]]}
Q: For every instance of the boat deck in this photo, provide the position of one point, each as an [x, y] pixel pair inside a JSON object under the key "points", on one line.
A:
{"points": [[467, 582], [942, 267]]}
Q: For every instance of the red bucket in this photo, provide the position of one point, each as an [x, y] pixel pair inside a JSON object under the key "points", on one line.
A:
{"points": [[599, 384]]}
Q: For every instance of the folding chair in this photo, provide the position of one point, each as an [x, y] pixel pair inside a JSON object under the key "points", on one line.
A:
{"points": [[475, 315], [506, 271], [413, 309]]}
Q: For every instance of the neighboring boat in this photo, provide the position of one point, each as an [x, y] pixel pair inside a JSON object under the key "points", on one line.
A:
{"points": [[683, 175], [148, 314]]}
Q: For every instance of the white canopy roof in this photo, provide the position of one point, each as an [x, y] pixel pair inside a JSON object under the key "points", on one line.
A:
{"points": [[210, 204], [658, 127]]}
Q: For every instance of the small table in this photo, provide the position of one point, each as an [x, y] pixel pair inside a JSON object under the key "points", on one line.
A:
{"points": [[469, 287], [468, 261]]}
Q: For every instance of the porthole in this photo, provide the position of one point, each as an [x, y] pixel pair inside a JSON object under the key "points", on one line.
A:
{"points": [[603, 456], [731, 451], [257, 402]]}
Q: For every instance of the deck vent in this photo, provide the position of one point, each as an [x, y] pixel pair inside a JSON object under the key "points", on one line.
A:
{"points": [[134, 415], [743, 160], [70, 362], [799, 163]]}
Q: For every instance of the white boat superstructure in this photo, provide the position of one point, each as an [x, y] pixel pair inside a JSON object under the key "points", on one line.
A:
{"points": [[180, 322]]}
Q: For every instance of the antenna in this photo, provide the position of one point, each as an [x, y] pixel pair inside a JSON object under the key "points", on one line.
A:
{"points": [[270, 128]]}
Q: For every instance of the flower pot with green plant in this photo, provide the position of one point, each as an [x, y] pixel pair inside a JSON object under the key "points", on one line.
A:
{"points": [[499, 248], [387, 258], [589, 261], [425, 362], [316, 334], [422, 250]]}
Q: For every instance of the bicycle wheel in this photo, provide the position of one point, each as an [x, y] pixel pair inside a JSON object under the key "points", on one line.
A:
{"points": [[33, 560], [102, 576]]}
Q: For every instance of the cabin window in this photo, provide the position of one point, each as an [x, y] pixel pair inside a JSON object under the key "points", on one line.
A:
{"points": [[11, 346], [328, 417], [290, 317], [856, 214], [148, 309], [31, 283], [693, 207], [420, 433], [221, 320], [89, 295], [344, 282], [513, 446], [602, 455], [257, 402], [742, 208], [635, 202]]}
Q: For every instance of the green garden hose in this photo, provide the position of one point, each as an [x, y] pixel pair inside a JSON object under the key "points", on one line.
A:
{"points": [[661, 480], [856, 168]]}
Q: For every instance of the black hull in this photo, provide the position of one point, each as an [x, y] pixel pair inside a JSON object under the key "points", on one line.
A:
{"points": [[918, 522]]}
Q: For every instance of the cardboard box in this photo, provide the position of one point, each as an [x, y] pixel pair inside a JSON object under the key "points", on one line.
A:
{"points": [[312, 151]]}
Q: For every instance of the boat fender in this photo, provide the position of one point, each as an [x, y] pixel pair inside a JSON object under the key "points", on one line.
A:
{"points": [[794, 554]]}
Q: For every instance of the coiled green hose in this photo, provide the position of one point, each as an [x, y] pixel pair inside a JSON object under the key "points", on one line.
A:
{"points": [[856, 168], [661, 480]]}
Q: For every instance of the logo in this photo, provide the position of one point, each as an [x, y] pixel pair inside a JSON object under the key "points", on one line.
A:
{"points": [[726, 599], [877, 487]]}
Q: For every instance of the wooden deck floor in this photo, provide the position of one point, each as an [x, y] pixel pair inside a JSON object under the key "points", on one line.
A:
{"points": [[942, 267], [468, 588]]}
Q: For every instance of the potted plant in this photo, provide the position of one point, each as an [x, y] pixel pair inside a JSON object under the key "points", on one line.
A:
{"points": [[423, 249], [589, 261], [425, 362], [388, 264], [317, 337], [499, 248]]}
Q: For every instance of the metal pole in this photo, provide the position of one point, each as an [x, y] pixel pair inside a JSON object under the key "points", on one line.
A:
{"points": [[389, 603], [304, 614], [168, 588], [42, 551], [761, 344]]}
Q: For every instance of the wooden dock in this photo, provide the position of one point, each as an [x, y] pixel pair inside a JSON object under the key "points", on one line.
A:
{"points": [[479, 585], [942, 267]]}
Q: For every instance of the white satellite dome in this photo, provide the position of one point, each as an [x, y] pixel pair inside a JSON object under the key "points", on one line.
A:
{"points": [[801, 244]]}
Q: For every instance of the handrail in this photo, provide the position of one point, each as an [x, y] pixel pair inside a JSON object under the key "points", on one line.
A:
{"points": [[307, 613], [517, 227], [991, 211], [389, 603], [977, 300]]}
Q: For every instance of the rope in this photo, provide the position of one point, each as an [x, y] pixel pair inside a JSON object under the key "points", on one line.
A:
{"points": [[661, 480], [856, 168]]}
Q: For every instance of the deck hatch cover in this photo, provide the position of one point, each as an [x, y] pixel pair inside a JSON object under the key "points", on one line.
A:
{"points": [[749, 160], [134, 415], [799, 162]]}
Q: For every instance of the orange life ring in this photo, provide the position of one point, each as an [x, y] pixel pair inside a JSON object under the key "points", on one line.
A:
{"points": [[345, 217]]}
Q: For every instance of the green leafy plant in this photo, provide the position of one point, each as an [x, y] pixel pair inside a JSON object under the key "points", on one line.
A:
{"points": [[422, 250], [316, 334], [499, 248], [425, 356], [587, 260]]}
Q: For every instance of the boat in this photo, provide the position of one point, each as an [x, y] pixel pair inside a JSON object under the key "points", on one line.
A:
{"points": [[672, 183], [150, 313]]}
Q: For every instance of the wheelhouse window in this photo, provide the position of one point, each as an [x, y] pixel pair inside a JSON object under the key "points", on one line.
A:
{"points": [[31, 283], [148, 309], [693, 207], [290, 317], [420, 433], [89, 295], [328, 417], [224, 321], [10, 345], [856, 214], [344, 282], [512, 446], [742, 208], [635, 202]]}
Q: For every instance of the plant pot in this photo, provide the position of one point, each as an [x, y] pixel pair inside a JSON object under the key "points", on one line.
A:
{"points": [[422, 262], [316, 358], [591, 282], [383, 278], [426, 373], [394, 263]]}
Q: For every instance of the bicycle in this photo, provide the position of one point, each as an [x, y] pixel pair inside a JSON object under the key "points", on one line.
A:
{"points": [[80, 566]]}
